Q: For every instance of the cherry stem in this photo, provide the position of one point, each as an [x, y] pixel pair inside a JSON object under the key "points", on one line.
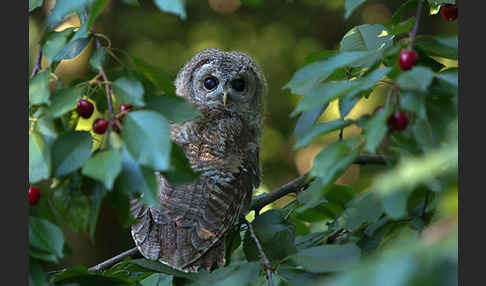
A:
{"points": [[37, 66], [413, 33], [260, 250], [103, 74]]}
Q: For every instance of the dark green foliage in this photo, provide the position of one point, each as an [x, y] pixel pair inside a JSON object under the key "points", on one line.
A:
{"points": [[381, 232]]}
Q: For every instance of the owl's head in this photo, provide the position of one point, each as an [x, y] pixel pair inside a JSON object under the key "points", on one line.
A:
{"points": [[217, 80]]}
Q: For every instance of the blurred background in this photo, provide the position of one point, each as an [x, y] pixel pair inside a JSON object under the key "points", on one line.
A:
{"points": [[278, 34]]}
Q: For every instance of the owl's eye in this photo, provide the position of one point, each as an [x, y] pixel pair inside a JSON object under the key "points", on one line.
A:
{"points": [[210, 83], [238, 84]]}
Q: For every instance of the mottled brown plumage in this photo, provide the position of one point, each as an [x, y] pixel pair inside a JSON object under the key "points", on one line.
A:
{"points": [[189, 230]]}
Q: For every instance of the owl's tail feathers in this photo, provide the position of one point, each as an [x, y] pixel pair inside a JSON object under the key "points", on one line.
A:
{"points": [[158, 238], [212, 259]]}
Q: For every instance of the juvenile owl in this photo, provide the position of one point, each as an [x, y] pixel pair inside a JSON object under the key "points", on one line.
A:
{"points": [[188, 232]]}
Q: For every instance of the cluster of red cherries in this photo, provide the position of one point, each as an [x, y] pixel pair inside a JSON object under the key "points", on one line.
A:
{"points": [[407, 60], [85, 109]]}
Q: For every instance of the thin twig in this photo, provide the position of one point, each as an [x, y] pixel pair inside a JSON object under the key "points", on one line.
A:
{"points": [[413, 32], [38, 60], [107, 88], [260, 250], [114, 260]]}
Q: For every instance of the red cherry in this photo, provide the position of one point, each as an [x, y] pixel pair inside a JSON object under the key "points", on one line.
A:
{"points": [[398, 120], [407, 59], [100, 125], [85, 108], [34, 195], [449, 12], [378, 109]]}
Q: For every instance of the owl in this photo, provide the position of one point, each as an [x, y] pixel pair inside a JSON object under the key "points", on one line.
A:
{"points": [[189, 229]]}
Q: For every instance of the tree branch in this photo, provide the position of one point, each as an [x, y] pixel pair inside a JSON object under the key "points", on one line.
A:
{"points": [[413, 32], [114, 260], [260, 250], [38, 60]]}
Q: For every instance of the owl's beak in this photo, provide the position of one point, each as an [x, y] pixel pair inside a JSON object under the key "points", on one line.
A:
{"points": [[225, 98]]}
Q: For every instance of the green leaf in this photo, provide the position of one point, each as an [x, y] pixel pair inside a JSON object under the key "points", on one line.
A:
{"points": [[62, 9], [39, 88], [347, 103], [446, 47], [45, 236], [155, 75], [350, 6], [329, 91], [158, 279], [311, 75], [42, 255], [402, 27], [242, 274], [395, 205], [363, 209], [64, 100], [307, 119], [366, 38], [33, 4], [104, 167], [417, 79], [320, 196], [415, 103], [135, 179], [157, 267], [327, 258], [96, 196], [321, 129], [75, 45], [147, 137], [120, 274], [129, 91], [95, 11], [39, 158], [72, 150], [409, 5], [172, 6], [331, 162], [174, 108], [425, 135], [275, 234], [98, 59], [181, 171], [54, 42], [120, 202], [73, 207], [376, 128], [37, 276], [449, 76]]}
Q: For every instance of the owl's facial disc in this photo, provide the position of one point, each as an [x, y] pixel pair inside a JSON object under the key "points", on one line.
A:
{"points": [[224, 84]]}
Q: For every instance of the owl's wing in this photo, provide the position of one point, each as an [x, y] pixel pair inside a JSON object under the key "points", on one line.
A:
{"points": [[187, 233]]}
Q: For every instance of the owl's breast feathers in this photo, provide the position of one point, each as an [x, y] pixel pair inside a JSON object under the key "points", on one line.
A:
{"points": [[188, 231]]}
